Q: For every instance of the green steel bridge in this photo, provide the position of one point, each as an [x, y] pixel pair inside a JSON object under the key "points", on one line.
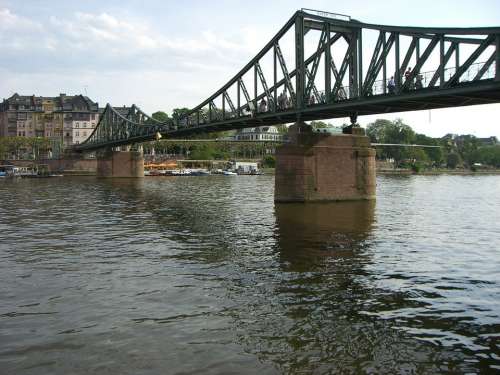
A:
{"points": [[317, 67]]}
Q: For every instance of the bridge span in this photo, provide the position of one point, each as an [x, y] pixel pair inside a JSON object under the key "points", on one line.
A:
{"points": [[342, 77], [321, 65]]}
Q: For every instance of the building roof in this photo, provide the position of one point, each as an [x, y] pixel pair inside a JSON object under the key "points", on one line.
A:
{"points": [[63, 102]]}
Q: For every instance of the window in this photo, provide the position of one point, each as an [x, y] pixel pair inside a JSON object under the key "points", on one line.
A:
{"points": [[77, 125], [84, 134], [77, 134]]}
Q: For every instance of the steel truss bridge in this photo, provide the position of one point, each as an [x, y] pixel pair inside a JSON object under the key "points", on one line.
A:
{"points": [[322, 65]]}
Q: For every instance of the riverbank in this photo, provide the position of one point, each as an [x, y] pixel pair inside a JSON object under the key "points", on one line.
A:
{"points": [[453, 172]]}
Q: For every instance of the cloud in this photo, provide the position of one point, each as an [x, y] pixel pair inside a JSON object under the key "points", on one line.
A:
{"points": [[103, 42], [10, 22], [110, 55], [18, 34]]}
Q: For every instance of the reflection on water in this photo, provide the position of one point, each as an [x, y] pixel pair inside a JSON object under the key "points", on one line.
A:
{"points": [[318, 231], [208, 275]]}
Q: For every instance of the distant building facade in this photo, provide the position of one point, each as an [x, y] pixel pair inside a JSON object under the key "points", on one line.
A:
{"points": [[489, 141], [70, 119], [263, 133]]}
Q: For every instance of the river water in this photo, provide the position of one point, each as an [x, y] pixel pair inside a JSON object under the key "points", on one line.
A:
{"points": [[206, 275]]}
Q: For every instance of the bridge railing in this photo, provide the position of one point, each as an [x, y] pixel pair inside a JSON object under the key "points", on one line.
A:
{"points": [[380, 87]]}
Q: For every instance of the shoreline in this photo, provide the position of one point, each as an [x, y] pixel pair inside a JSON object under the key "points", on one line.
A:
{"points": [[407, 172]]}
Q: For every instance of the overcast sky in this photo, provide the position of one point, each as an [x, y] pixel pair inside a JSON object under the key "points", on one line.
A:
{"points": [[167, 54]]}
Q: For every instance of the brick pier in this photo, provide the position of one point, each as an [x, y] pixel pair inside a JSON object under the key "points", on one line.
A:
{"points": [[324, 167], [120, 164]]}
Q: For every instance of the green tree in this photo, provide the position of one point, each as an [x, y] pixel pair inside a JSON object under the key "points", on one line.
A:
{"points": [[3, 148], [453, 160], [434, 154], [160, 116], [203, 151], [392, 132], [466, 147], [282, 128], [488, 155], [178, 113], [377, 130], [269, 161], [319, 124]]}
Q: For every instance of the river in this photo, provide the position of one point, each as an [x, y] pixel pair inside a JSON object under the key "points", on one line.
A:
{"points": [[206, 275]]}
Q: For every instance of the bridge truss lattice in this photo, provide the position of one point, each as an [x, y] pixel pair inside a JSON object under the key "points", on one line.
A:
{"points": [[321, 65]]}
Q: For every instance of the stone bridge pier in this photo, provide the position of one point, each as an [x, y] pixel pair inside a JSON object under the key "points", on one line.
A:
{"points": [[111, 163], [324, 167]]}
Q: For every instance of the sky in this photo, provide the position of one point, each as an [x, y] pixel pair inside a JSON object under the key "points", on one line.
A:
{"points": [[162, 54]]}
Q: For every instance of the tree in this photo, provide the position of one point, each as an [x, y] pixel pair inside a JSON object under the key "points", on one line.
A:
{"points": [[282, 128], [178, 113], [319, 125], [377, 130], [466, 147], [269, 161], [453, 160], [22, 147], [393, 132], [160, 116], [488, 155], [434, 154], [203, 151], [3, 148]]}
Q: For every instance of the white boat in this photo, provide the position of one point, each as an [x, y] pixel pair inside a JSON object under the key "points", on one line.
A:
{"points": [[9, 171], [229, 173], [180, 172]]}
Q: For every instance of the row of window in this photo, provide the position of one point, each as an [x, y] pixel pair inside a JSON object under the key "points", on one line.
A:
{"points": [[77, 125], [80, 117], [259, 137], [22, 133], [39, 134], [72, 115]]}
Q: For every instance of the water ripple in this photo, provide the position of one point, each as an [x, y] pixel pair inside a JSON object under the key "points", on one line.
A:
{"points": [[208, 275]]}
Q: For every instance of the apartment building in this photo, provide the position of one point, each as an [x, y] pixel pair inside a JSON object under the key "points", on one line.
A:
{"points": [[70, 119]]}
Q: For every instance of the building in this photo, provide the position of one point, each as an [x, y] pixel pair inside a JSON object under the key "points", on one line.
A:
{"points": [[70, 119], [263, 133], [489, 141]]}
